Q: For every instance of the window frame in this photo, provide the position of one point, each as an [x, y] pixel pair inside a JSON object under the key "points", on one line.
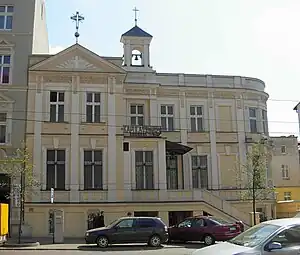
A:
{"points": [[285, 172], [251, 118], [57, 103], [197, 116], [7, 14], [168, 117], [3, 65], [281, 149], [144, 170], [93, 104], [264, 116], [4, 123], [199, 173], [93, 169], [137, 115], [287, 195], [170, 171], [55, 163]]}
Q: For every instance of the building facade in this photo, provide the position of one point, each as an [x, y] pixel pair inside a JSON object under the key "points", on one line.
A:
{"points": [[111, 134], [286, 175], [22, 32]]}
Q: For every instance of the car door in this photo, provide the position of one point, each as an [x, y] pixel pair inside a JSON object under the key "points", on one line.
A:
{"points": [[144, 228], [197, 230], [124, 231], [290, 242], [181, 232]]}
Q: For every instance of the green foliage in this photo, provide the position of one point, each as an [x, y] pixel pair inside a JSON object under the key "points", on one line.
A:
{"points": [[252, 176], [18, 165]]}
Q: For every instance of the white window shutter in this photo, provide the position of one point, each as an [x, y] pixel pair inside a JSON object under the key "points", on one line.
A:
{"points": [[46, 105], [83, 106], [67, 106]]}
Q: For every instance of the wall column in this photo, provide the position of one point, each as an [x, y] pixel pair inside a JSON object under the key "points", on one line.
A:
{"points": [[75, 167], [162, 175], [37, 149], [112, 142], [213, 146]]}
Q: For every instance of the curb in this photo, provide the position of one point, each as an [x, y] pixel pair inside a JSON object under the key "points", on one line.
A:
{"points": [[21, 245]]}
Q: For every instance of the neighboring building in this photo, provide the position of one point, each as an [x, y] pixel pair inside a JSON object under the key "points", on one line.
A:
{"points": [[111, 134], [297, 109], [286, 175], [22, 32]]}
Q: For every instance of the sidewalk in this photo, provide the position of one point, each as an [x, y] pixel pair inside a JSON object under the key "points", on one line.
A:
{"points": [[45, 243]]}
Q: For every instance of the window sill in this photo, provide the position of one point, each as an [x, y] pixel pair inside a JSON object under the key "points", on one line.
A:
{"points": [[52, 122], [286, 178], [198, 132], [55, 190], [93, 189], [92, 123], [168, 131], [144, 189]]}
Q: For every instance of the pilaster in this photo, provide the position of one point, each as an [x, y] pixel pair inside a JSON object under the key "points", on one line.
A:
{"points": [[162, 178], [215, 172], [73, 170], [112, 142], [37, 149]]}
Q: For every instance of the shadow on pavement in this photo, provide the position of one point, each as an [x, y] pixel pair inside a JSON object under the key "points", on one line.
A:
{"points": [[118, 248], [187, 245]]}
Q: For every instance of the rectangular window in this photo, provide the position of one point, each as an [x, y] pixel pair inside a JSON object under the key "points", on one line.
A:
{"points": [[5, 68], [6, 17], [3, 127], [136, 114], [283, 149], [253, 119], [287, 196], [167, 117], [93, 169], [93, 107], [144, 174], [264, 121], [172, 171], [200, 172], [196, 118], [57, 106], [285, 172], [56, 169]]}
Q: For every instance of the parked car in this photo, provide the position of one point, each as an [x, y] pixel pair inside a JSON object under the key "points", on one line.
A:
{"points": [[204, 228], [281, 236], [149, 230]]}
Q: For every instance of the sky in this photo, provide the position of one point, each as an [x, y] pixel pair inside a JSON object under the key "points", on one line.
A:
{"points": [[251, 38]]}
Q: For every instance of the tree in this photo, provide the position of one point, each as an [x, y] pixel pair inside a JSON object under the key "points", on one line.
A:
{"points": [[252, 176], [19, 168]]}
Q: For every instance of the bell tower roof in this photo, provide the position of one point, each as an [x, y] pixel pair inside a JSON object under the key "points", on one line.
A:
{"points": [[136, 32]]}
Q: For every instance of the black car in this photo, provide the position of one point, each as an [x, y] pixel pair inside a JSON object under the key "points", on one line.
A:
{"points": [[149, 230]]}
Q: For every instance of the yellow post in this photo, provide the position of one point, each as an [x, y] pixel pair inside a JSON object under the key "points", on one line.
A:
{"points": [[3, 220]]}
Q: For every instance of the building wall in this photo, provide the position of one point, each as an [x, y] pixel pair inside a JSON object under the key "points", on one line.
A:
{"points": [[76, 71]]}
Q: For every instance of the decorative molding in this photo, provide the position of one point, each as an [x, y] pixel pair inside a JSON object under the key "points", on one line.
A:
{"points": [[227, 150], [93, 142], [77, 62], [210, 99], [58, 79], [199, 150], [182, 99], [55, 142]]}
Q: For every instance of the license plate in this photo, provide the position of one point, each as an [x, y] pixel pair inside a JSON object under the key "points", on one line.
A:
{"points": [[233, 228]]}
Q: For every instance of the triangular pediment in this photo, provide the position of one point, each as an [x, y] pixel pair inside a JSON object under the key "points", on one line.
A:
{"points": [[76, 58]]}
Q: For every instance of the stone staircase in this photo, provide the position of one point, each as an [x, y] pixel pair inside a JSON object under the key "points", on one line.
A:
{"points": [[224, 207]]}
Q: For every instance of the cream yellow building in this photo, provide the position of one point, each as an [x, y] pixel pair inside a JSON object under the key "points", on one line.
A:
{"points": [[286, 175], [111, 134]]}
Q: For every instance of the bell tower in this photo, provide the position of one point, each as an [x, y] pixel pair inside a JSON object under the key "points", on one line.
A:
{"points": [[136, 45]]}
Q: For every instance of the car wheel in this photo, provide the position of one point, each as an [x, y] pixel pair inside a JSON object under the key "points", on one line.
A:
{"points": [[208, 240], [155, 241], [102, 241]]}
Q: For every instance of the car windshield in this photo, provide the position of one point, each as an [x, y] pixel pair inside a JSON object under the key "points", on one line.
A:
{"points": [[255, 235], [112, 223]]}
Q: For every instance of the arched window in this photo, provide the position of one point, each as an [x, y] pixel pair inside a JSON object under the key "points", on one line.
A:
{"points": [[136, 58]]}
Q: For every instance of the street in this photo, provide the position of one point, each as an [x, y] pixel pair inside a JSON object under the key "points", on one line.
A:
{"points": [[114, 250]]}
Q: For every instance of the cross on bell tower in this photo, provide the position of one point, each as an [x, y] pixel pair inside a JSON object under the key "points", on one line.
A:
{"points": [[136, 44], [78, 19]]}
